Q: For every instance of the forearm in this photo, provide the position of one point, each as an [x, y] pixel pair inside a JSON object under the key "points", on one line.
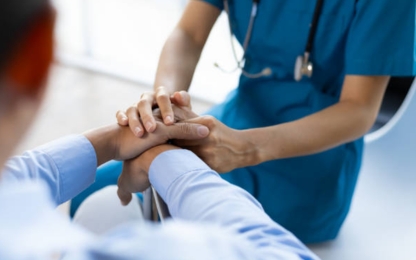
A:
{"points": [[348, 120], [183, 48], [196, 193], [336, 125], [177, 62]]}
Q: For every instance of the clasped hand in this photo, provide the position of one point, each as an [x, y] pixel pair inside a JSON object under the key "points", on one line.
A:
{"points": [[224, 149]]}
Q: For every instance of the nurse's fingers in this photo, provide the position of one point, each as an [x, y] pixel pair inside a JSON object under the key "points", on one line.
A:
{"points": [[187, 131], [182, 99], [134, 121], [122, 118], [165, 106], [145, 111]]}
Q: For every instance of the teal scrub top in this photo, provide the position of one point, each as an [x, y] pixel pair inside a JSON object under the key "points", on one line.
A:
{"points": [[311, 195]]}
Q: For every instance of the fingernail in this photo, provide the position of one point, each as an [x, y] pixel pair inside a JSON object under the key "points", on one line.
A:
{"points": [[203, 131], [168, 120], [148, 126], [138, 131], [124, 118]]}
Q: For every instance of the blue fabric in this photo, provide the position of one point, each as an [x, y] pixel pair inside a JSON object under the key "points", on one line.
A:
{"points": [[67, 171], [381, 38], [206, 225], [363, 37], [414, 48], [308, 195], [217, 3]]}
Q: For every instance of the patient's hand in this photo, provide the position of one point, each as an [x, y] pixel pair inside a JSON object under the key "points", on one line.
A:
{"points": [[135, 175], [129, 146], [118, 142]]}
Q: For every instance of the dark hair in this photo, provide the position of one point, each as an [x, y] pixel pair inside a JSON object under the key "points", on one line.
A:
{"points": [[16, 16]]}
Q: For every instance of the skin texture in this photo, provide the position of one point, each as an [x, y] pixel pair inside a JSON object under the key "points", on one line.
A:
{"points": [[225, 148], [116, 142]]}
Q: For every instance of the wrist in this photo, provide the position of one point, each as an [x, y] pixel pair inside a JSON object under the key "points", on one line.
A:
{"points": [[104, 141], [249, 148], [150, 155]]}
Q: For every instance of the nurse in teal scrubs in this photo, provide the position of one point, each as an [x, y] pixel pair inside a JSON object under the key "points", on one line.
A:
{"points": [[295, 145]]}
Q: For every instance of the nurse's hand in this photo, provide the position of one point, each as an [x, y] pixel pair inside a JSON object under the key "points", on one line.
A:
{"points": [[144, 110], [135, 175], [225, 149]]}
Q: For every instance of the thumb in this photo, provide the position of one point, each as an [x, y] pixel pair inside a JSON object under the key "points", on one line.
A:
{"points": [[187, 131], [124, 196]]}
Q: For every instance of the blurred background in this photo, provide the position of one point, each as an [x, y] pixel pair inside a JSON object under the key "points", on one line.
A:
{"points": [[124, 38], [107, 54]]}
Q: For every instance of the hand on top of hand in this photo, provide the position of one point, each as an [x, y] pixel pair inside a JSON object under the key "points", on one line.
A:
{"points": [[140, 117], [128, 146], [223, 149]]}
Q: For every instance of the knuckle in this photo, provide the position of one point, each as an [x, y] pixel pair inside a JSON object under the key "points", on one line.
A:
{"points": [[210, 121], [160, 88], [186, 129], [132, 109], [162, 98], [147, 118], [143, 103], [147, 94]]}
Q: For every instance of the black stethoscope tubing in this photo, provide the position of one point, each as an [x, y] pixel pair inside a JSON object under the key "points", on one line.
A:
{"points": [[314, 25], [303, 65]]}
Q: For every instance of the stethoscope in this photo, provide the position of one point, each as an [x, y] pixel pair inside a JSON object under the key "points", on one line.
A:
{"points": [[303, 66]]}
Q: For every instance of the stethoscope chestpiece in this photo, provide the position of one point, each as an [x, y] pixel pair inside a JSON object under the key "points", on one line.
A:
{"points": [[303, 67]]}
